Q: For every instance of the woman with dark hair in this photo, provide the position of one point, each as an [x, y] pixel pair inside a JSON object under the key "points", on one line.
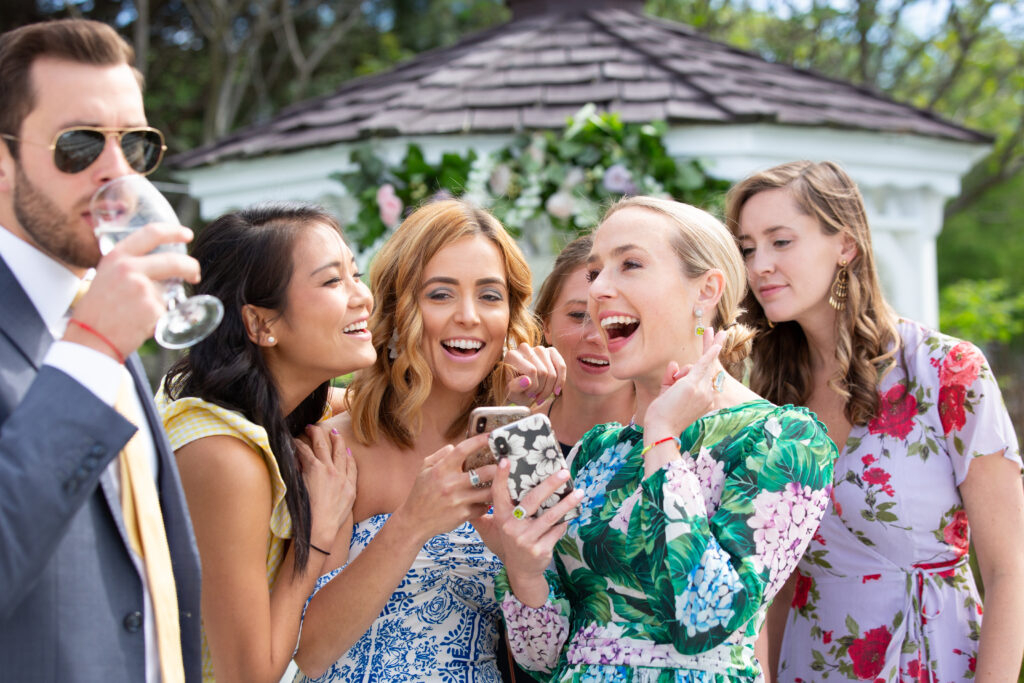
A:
{"points": [[453, 331], [692, 515], [592, 394], [885, 591], [266, 508]]}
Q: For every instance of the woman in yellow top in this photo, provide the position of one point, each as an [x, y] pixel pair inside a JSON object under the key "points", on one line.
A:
{"points": [[266, 508]]}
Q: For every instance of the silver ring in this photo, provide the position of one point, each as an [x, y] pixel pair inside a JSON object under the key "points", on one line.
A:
{"points": [[518, 512], [474, 479]]}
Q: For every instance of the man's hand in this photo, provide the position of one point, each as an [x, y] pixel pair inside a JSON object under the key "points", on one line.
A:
{"points": [[126, 298]]}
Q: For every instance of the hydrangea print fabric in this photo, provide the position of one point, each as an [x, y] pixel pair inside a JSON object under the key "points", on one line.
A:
{"points": [[885, 592], [667, 578], [441, 623]]}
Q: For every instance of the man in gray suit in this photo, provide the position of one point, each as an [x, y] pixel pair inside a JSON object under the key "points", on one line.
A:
{"points": [[76, 601]]}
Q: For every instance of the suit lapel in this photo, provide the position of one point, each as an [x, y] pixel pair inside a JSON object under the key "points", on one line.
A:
{"points": [[19, 320]]}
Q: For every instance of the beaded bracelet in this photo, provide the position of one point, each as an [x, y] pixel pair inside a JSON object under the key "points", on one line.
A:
{"points": [[679, 444]]}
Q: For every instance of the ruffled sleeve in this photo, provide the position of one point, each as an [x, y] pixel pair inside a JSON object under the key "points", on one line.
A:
{"points": [[710, 573]]}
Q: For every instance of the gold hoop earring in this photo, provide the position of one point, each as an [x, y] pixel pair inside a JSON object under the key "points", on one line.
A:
{"points": [[771, 325], [837, 295]]}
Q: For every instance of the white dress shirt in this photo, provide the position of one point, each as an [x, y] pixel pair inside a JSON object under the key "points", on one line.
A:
{"points": [[51, 288]]}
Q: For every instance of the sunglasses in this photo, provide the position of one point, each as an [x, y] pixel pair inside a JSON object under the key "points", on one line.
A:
{"points": [[75, 149]]}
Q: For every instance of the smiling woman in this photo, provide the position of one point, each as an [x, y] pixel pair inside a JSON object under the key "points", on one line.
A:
{"points": [[266, 509], [692, 517], [453, 332]]}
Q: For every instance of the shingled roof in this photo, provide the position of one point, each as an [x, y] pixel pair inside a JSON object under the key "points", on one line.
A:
{"points": [[538, 69]]}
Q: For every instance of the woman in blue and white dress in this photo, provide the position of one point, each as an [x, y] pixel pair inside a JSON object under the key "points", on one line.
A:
{"points": [[453, 331]]}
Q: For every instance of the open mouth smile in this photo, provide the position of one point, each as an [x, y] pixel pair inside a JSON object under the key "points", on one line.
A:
{"points": [[620, 326], [464, 348]]}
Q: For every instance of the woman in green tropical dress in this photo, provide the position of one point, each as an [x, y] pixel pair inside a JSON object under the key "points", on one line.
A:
{"points": [[692, 515]]}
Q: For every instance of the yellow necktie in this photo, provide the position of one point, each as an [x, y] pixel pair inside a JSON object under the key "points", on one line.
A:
{"points": [[140, 504]]}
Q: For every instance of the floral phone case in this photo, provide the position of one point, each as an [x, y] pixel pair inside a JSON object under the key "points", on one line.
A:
{"points": [[534, 454]]}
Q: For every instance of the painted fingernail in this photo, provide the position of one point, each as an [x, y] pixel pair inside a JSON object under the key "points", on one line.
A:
{"points": [[524, 382], [532, 397], [562, 474], [334, 431], [558, 391], [578, 494], [348, 450]]}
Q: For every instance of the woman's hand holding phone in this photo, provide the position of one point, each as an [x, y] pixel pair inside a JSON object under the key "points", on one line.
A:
{"points": [[443, 496], [528, 541]]}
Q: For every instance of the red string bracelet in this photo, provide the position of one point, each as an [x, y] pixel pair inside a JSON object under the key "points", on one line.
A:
{"points": [[679, 444], [92, 331]]}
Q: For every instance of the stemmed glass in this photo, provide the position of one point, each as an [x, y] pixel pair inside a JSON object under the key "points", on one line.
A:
{"points": [[127, 204]]}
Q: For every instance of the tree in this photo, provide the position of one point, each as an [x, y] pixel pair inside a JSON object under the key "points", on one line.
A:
{"points": [[966, 64]]}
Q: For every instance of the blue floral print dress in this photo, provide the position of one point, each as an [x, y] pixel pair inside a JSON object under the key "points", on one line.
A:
{"points": [[667, 578], [885, 592], [441, 623]]}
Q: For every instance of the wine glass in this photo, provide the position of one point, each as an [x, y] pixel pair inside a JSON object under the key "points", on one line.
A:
{"points": [[127, 204]]}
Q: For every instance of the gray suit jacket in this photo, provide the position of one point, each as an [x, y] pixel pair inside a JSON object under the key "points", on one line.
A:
{"points": [[70, 597]]}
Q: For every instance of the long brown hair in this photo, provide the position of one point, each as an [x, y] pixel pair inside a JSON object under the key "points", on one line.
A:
{"points": [[247, 258], [571, 258], [387, 398], [866, 336]]}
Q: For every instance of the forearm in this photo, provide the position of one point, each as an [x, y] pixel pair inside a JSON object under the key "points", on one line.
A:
{"points": [[775, 628], [360, 592], [1002, 641]]}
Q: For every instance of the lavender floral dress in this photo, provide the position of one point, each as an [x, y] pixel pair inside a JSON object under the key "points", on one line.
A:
{"points": [[667, 578], [885, 592]]}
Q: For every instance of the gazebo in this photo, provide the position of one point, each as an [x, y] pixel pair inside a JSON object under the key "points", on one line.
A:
{"points": [[731, 108]]}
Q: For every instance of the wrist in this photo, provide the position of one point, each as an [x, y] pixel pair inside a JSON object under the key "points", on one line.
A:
{"points": [[663, 442], [531, 590], [403, 523], [83, 334]]}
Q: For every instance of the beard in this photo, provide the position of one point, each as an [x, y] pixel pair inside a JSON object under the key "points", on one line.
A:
{"points": [[50, 228]]}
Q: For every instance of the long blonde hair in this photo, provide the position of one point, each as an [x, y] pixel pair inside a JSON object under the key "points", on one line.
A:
{"points": [[387, 398], [866, 336], [701, 243]]}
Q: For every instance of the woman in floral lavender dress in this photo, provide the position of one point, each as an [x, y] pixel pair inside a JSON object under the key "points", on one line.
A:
{"points": [[885, 591], [691, 517]]}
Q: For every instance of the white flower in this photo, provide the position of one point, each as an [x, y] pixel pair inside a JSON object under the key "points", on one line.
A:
{"points": [[711, 474], [501, 176], [573, 177], [559, 205], [619, 180]]}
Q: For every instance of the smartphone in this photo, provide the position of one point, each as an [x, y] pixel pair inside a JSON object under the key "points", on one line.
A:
{"points": [[485, 419], [534, 455]]}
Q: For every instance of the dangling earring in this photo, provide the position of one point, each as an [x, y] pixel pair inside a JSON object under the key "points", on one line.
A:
{"points": [[837, 295], [771, 325], [393, 345], [699, 329]]}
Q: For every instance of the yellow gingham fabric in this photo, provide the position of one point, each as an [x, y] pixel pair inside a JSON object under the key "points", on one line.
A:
{"points": [[188, 419]]}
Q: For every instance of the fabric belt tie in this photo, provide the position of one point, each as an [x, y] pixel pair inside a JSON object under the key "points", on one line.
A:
{"points": [[914, 617], [145, 527]]}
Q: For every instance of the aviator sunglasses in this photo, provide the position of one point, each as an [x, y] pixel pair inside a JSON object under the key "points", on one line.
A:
{"points": [[75, 149]]}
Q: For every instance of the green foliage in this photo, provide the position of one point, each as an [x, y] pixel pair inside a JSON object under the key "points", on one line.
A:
{"points": [[551, 184], [983, 311]]}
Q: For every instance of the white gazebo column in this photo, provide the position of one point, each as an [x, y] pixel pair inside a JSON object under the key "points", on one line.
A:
{"points": [[905, 180]]}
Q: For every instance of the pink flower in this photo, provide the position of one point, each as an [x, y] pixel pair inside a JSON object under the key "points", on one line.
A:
{"points": [[559, 205], [868, 459], [500, 179], [389, 205], [961, 365], [619, 180]]}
